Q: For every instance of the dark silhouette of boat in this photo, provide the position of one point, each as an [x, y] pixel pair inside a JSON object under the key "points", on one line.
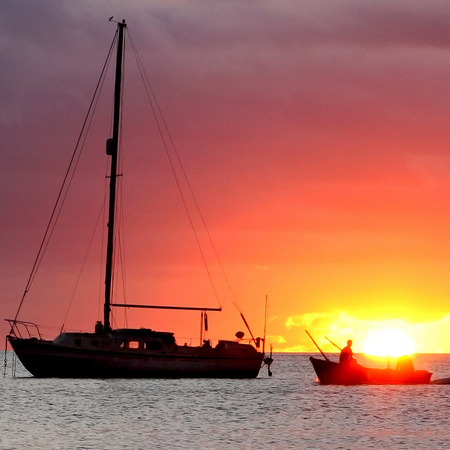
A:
{"points": [[108, 352], [349, 372], [133, 353], [330, 372]]}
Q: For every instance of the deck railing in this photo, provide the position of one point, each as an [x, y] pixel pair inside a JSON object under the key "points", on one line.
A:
{"points": [[22, 329]]}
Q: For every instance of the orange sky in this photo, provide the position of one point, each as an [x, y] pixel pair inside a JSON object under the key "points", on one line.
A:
{"points": [[315, 136]]}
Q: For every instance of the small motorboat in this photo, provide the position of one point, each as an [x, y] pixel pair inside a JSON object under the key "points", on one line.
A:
{"points": [[330, 372]]}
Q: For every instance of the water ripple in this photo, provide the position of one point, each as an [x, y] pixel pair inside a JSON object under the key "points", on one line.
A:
{"points": [[286, 411]]}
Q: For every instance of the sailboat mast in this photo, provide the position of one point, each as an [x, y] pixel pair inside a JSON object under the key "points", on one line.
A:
{"points": [[112, 150]]}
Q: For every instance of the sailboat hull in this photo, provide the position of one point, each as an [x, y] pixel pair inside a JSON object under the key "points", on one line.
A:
{"points": [[49, 359]]}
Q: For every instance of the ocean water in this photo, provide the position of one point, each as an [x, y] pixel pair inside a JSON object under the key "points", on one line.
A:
{"points": [[289, 410]]}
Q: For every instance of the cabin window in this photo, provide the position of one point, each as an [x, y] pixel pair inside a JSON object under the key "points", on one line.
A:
{"points": [[153, 345], [94, 343], [130, 344], [78, 342]]}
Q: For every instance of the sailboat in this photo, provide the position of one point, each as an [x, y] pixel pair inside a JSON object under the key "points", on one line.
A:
{"points": [[130, 352]]}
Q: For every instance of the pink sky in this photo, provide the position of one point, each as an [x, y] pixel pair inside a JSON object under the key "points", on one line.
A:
{"points": [[315, 134]]}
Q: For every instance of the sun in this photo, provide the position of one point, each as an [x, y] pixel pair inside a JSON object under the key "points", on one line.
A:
{"points": [[388, 343]]}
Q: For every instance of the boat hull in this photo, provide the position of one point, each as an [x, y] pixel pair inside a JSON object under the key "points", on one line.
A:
{"points": [[49, 359], [329, 372]]}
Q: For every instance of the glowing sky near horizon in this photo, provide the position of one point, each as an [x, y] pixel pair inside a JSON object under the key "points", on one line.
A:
{"points": [[315, 135]]}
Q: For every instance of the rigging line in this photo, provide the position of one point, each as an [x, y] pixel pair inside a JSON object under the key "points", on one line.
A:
{"points": [[147, 86], [54, 215], [186, 178], [197, 206], [244, 320], [121, 225], [265, 325], [101, 213], [121, 235], [120, 253], [102, 247], [119, 247], [84, 134], [123, 278]]}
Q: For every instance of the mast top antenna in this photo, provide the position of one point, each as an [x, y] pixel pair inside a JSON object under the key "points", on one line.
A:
{"points": [[115, 21]]}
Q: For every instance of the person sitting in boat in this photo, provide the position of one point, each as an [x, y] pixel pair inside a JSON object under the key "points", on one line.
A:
{"points": [[405, 364], [346, 356]]}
